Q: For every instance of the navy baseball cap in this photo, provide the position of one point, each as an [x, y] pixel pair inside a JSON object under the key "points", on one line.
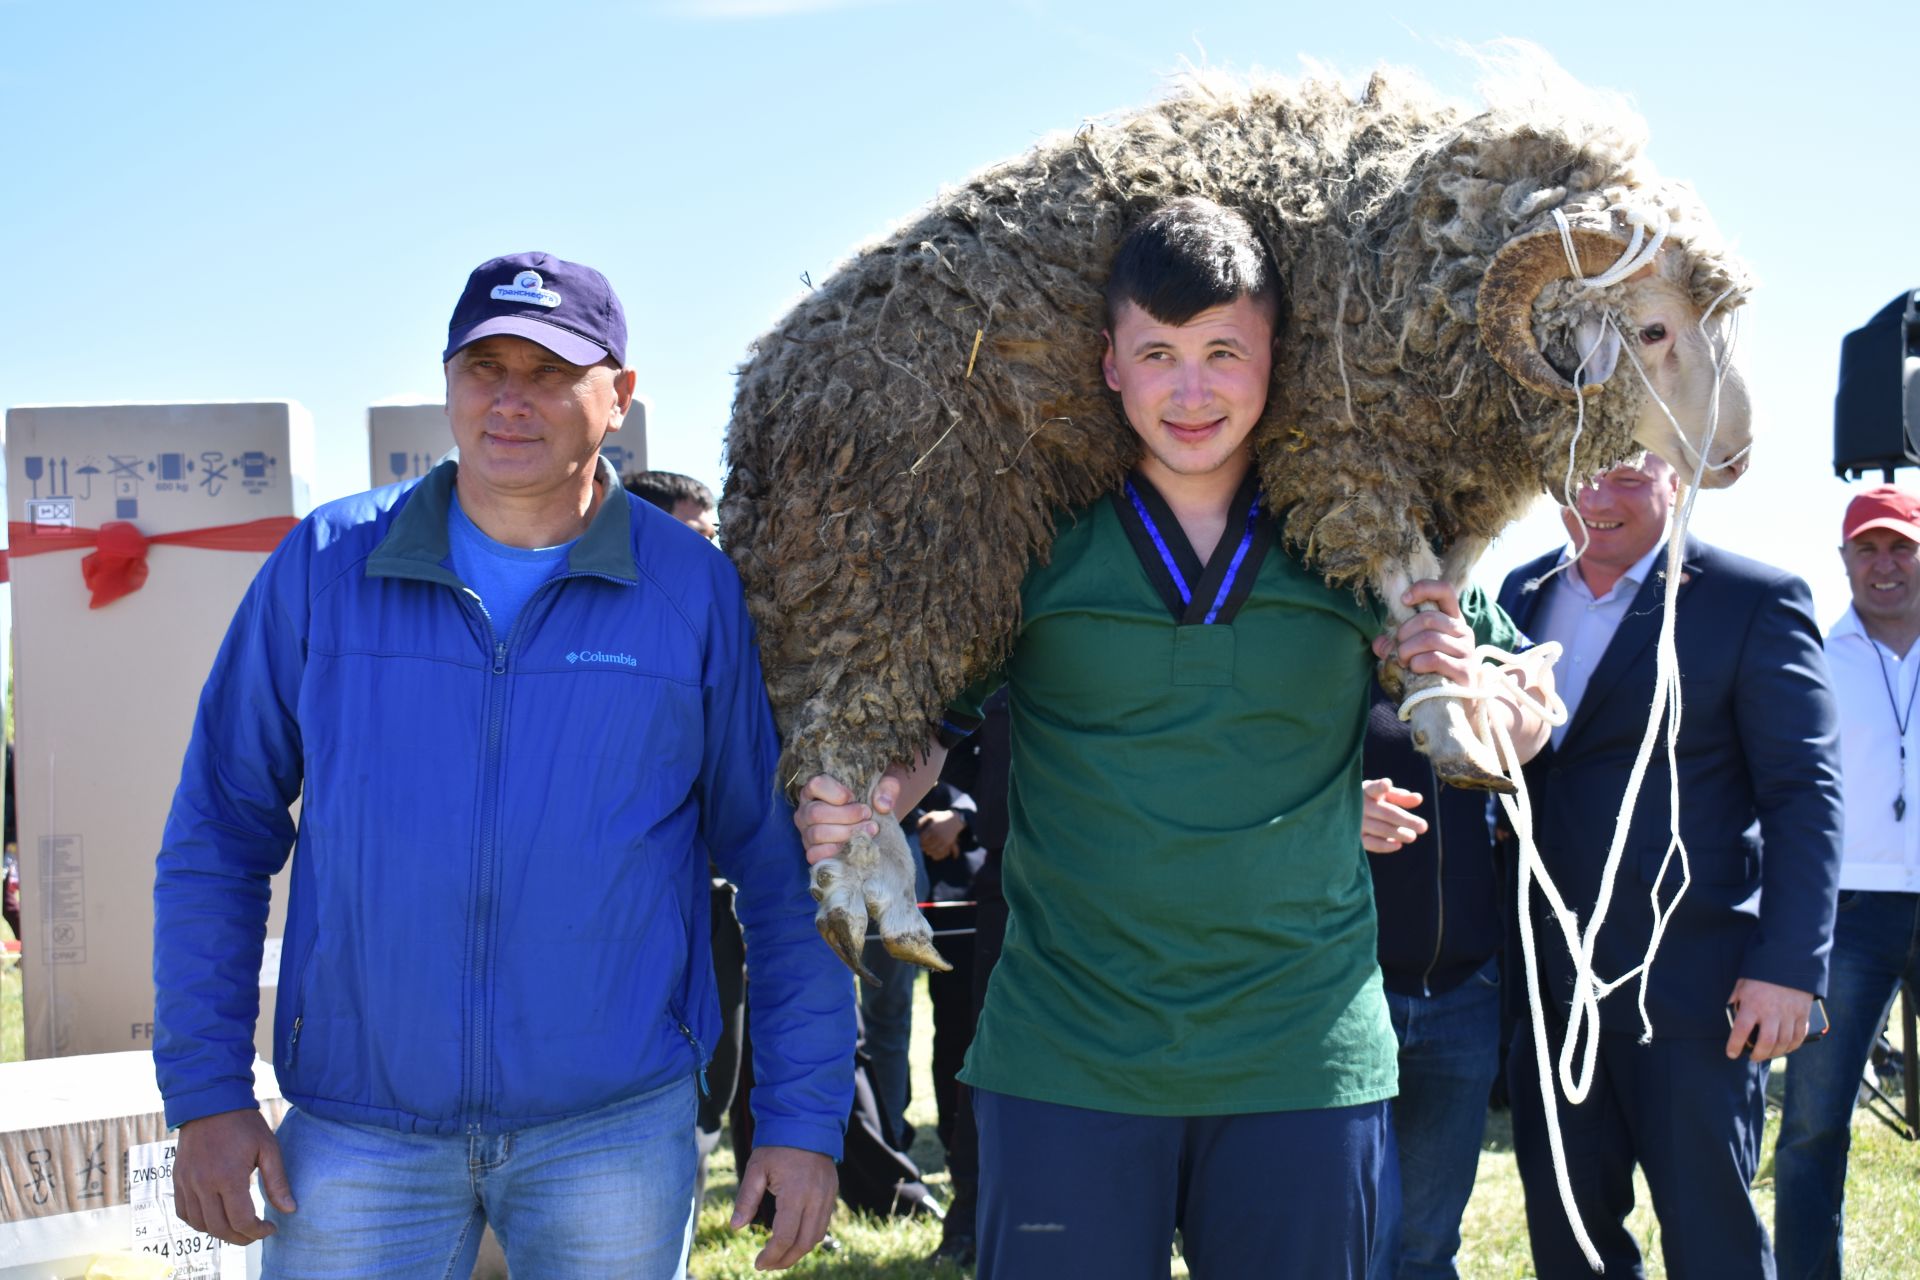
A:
{"points": [[569, 309]]}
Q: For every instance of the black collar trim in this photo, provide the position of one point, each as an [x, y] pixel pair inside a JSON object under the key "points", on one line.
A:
{"points": [[1161, 546]]}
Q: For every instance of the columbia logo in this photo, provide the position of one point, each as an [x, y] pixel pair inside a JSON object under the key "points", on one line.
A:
{"points": [[594, 655]]}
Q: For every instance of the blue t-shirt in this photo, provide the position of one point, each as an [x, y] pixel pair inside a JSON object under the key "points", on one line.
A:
{"points": [[504, 577]]}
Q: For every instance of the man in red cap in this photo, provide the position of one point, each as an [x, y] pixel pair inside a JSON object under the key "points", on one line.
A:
{"points": [[1876, 936]]}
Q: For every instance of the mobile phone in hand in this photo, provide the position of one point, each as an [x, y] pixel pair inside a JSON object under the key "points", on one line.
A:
{"points": [[1816, 1022]]}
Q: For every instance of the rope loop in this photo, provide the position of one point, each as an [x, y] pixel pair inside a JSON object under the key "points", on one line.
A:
{"points": [[1500, 676], [1498, 671], [1639, 251]]}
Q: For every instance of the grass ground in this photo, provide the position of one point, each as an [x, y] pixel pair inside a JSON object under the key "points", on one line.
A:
{"points": [[1883, 1207], [1883, 1198], [870, 1248]]}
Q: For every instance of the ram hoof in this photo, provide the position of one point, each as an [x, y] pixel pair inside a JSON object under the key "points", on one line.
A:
{"points": [[916, 947], [1445, 731], [842, 918], [1458, 771]]}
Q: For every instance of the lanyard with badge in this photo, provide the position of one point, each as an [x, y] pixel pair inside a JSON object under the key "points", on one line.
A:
{"points": [[1900, 722]]}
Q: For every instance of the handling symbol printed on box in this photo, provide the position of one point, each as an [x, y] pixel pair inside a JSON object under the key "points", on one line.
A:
{"points": [[50, 513], [256, 470], [40, 467], [171, 472], [213, 471], [405, 466], [63, 905]]}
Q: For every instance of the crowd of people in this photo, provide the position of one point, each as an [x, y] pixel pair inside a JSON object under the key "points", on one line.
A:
{"points": [[549, 923]]}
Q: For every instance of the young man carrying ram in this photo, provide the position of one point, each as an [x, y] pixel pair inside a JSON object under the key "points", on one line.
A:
{"points": [[1187, 1028]]}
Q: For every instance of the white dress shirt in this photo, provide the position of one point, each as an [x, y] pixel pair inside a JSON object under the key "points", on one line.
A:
{"points": [[1584, 625], [1880, 852]]}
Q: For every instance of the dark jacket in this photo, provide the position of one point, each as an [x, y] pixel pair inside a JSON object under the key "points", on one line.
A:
{"points": [[978, 765], [1437, 899], [1759, 794]]}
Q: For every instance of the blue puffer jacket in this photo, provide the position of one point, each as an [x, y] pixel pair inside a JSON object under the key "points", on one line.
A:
{"points": [[498, 913]]}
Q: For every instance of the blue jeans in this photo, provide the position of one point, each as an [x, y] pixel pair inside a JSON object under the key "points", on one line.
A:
{"points": [[1449, 1055], [1876, 945], [608, 1193]]}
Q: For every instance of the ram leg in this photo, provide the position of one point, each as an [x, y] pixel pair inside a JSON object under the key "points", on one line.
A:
{"points": [[1445, 732], [1448, 731]]}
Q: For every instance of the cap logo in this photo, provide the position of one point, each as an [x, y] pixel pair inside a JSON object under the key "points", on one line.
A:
{"points": [[527, 287]]}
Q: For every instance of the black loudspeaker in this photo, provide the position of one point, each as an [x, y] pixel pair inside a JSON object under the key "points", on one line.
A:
{"points": [[1876, 411]]}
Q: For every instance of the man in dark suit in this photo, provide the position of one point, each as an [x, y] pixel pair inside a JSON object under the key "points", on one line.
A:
{"points": [[1760, 817]]}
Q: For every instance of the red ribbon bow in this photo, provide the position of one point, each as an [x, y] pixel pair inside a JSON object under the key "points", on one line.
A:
{"points": [[118, 565]]}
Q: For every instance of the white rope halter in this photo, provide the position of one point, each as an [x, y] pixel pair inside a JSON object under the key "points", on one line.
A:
{"points": [[1639, 251], [1497, 675]]}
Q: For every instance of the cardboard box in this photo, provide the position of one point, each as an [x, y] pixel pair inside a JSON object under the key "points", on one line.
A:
{"points": [[104, 698], [627, 450], [405, 440], [69, 1133], [6, 616]]}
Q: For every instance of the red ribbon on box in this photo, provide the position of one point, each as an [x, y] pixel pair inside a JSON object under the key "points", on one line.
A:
{"points": [[118, 565]]}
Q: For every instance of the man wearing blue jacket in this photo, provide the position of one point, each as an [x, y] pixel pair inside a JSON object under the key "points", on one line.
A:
{"points": [[520, 709]]}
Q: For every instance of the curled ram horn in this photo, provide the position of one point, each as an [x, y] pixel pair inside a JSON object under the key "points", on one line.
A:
{"points": [[1520, 270]]}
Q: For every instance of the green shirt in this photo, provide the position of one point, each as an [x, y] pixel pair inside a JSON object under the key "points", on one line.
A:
{"points": [[1191, 924]]}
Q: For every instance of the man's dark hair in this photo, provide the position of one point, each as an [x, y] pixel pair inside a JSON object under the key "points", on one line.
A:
{"points": [[667, 489], [1191, 254]]}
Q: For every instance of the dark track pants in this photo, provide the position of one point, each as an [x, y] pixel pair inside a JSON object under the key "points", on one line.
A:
{"points": [[1689, 1116], [1067, 1192]]}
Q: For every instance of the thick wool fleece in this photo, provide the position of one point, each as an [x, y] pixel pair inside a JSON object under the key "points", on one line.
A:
{"points": [[903, 440]]}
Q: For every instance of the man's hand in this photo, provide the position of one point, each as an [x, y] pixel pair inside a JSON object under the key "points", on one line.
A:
{"points": [[1388, 822], [212, 1167], [1433, 640], [804, 1185], [828, 815], [940, 833], [1438, 640], [1776, 1018]]}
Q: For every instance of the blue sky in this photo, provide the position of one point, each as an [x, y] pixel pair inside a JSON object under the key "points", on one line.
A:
{"points": [[212, 201]]}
